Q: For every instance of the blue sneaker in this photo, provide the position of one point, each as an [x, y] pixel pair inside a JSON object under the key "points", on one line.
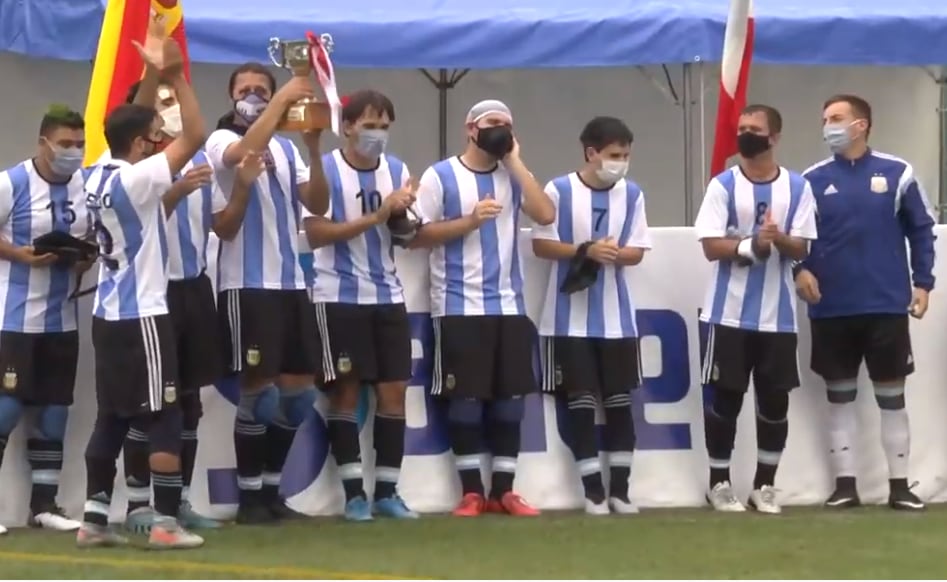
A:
{"points": [[190, 519], [358, 509], [395, 507], [139, 521]]}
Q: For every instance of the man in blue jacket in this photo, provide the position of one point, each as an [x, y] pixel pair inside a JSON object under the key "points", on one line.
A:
{"points": [[860, 288]]}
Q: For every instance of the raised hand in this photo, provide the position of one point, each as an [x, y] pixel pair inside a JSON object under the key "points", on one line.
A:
{"points": [[152, 51], [250, 167], [486, 209]]}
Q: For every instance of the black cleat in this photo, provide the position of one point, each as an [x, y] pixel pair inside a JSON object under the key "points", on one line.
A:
{"points": [[902, 498], [255, 514], [281, 511], [845, 495]]}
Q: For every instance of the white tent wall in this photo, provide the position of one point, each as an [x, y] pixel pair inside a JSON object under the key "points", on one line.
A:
{"points": [[551, 107]]}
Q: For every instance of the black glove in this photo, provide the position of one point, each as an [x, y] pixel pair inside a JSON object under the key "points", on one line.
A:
{"points": [[69, 249], [583, 271], [403, 227]]}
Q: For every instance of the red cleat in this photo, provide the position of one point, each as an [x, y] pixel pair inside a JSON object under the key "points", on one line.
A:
{"points": [[517, 506], [472, 505], [494, 506]]}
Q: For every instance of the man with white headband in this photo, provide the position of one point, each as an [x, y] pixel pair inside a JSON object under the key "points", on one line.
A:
{"points": [[485, 343]]}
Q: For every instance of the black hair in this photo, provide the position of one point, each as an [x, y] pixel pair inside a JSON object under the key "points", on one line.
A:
{"points": [[860, 107], [125, 124], [365, 99], [774, 119], [603, 131], [60, 116]]}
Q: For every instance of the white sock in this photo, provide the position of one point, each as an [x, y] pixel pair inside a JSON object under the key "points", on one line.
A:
{"points": [[843, 422], [895, 429]]}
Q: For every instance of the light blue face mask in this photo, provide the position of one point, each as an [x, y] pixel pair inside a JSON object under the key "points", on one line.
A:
{"points": [[837, 137], [372, 142], [66, 161]]}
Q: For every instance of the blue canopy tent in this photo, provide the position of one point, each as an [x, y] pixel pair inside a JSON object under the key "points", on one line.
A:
{"points": [[444, 38]]}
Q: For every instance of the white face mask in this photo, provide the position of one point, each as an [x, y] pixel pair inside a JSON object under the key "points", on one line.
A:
{"points": [[172, 121], [612, 171]]}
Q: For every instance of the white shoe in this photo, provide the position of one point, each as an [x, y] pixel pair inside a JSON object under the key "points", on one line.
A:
{"points": [[721, 498], [55, 520], [622, 507], [592, 508], [763, 500], [167, 534], [3, 530]]}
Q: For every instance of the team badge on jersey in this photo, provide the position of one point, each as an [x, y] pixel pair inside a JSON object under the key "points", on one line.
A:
{"points": [[170, 394], [715, 373], [451, 382], [10, 380], [253, 357], [879, 184], [344, 365], [558, 375]]}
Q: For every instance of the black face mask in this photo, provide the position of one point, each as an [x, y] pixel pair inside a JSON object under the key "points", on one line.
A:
{"points": [[496, 141], [752, 144]]}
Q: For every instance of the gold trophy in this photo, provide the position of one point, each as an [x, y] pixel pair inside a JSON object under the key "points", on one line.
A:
{"points": [[296, 56]]}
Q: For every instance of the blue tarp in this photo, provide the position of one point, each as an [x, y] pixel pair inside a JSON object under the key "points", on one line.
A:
{"points": [[514, 33]]}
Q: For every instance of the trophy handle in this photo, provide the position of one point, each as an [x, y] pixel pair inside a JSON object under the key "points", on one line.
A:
{"points": [[327, 42], [275, 50]]}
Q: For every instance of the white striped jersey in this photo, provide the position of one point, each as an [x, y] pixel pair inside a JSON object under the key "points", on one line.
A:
{"points": [[265, 252], [605, 309], [360, 270], [480, 273], [36, 299], [189, 224], [760, 297], [125, 201]]}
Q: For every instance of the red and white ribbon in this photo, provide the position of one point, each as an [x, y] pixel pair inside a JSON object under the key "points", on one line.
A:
{"points": [[319, 58]]}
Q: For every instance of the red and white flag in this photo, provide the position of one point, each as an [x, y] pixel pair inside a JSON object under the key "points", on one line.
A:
{"points": [[319, 57], [734, 80]]}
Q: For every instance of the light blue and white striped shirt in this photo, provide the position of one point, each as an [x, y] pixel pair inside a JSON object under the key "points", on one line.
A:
{"points": [[480, 273], [362, 269], [606, 308], [35, 299], [265, 252], [760, 297]]}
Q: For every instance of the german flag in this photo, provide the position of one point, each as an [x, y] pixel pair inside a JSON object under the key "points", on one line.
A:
{"points": [[117, 63]]}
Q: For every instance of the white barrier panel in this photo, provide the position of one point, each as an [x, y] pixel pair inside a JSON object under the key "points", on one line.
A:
{"points": [[671, 463]]}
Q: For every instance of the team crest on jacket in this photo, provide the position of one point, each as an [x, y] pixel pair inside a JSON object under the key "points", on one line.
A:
{"points": [[10, 380], [170, 394], [253, 357], [451, 382], [879, 184], [558, 375]]}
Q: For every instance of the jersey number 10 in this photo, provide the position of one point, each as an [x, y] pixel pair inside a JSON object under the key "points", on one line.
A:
{"points": [[370, 201]]}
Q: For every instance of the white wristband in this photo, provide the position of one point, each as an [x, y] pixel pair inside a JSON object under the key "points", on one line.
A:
{"points": [[745, 249]]}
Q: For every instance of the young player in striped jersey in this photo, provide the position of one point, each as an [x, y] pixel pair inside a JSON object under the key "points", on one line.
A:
{"points": [[591, 337], [485, 343], [756, 218], [39, 342], [135, 356], [359, 301], [192, 206], [269, 322]]}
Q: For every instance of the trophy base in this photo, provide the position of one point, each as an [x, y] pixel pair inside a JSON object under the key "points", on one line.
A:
{"points": [[306, 115]]}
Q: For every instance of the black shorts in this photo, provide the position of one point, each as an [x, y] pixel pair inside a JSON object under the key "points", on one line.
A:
{"points": [[585, 365], [269, 332], [136, 365], [733, 354], [483, 356], [839, 344], [39, 368], [370, 343], [196, 332]]}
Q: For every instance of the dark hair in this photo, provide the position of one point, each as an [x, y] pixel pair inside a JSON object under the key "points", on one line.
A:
{"points": [[60, 116], [860, 107], [602, 132], [250, 67], [774, 119], [125, 124], [365, 99]]}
